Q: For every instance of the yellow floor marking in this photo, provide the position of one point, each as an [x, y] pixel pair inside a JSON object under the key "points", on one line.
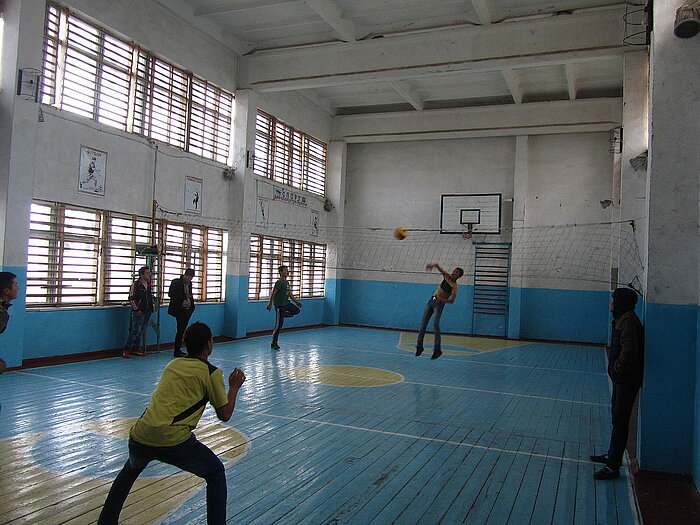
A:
{"points": [[344, 375], [471, 345], [37, 489]]}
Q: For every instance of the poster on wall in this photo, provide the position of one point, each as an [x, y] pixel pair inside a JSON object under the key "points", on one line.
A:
{"points": [[262, 212], [193, 195], [92, 171], [314, 223]]}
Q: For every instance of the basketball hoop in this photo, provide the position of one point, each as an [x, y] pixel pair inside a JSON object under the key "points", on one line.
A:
{"points": [[467, 234]]}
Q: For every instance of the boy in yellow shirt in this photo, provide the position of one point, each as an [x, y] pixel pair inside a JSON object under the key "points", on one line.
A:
{"points": [[164, 431]]}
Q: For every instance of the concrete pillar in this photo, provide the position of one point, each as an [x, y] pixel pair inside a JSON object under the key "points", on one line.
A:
{"points": [[336, 157], [21, 48], [520, 176], [669, 421], [633, 180], [242, 214]]}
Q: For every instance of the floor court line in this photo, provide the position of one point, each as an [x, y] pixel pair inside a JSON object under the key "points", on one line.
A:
{"points": [[351, 427], [449, 387], [445, 358]]}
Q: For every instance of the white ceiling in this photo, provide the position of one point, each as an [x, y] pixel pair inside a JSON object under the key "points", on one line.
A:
{"points": [[370, 56]]}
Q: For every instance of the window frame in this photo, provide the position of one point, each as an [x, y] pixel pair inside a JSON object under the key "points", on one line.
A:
{"points": [[289, 156], [127, 87], [305, 264], [112, 238]]}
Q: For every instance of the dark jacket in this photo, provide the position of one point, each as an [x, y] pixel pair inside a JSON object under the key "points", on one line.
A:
{"points": [[141, 297], [4, 315], [626, 363], [178, 293]]}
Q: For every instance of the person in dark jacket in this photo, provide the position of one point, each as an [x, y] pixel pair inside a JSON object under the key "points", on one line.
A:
{"points": [[181, 306], [8, 292], [143, 304], [626, 370]]}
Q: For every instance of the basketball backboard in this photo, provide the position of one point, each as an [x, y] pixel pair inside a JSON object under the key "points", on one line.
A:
{"points": [[482, 210]]}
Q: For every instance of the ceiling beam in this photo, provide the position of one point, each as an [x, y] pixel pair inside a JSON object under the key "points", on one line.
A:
{"points": [[432, 70], [578, 37], [535, 118], [317, 101], [331, 13], [229, 7], [483, 11], [513, 85], [571, 79], [408, 94]]}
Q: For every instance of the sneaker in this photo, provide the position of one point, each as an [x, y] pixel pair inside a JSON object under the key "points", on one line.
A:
{"points": [[606, 473], [275, 346], [139, 352], [126, 354], [436, 353], [419, 350], [599, 459]]}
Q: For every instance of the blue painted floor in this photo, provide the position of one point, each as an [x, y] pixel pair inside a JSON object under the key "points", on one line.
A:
{"points": [[496, 435]]}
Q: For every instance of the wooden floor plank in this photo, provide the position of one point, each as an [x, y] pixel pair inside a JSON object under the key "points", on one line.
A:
{"points": [[500, 437]]}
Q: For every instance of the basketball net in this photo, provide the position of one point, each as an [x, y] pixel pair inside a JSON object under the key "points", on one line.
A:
{"points": [[468, 234]]}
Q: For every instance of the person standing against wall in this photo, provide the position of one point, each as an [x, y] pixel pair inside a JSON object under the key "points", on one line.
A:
{"points": [[626, 370], [8, 292], [281, 294], [445, 293], [181, 306], [143, 304]]}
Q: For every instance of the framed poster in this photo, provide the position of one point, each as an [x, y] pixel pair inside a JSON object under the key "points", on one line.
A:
{"points": [[193, 195], [262, 212], [313, 225], [92, 171]]}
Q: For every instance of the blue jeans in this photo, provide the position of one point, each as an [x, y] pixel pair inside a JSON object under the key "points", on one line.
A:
{"points": [[436, 307], [287, 310], [138, 327], [191, 456]]}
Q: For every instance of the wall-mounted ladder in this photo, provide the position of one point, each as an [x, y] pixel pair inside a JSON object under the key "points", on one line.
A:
{"points": [[491, 271]]}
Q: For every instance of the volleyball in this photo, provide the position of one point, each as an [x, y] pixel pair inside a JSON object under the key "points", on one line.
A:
{"points": [[400, 233]]}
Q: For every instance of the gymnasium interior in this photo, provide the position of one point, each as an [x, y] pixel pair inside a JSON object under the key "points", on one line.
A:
{"points": [[549, 149]]}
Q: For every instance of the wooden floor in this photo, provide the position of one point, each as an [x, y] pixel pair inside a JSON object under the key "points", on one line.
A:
{"points": [[342, 425]]}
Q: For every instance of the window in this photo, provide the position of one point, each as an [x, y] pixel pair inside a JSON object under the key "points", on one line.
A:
{"points": [[81, 256], [62, 266], [306, 262], [92, 73], [289, 156]]}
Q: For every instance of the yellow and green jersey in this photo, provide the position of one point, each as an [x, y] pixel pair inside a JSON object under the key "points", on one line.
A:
{"points": [[185, 387]]}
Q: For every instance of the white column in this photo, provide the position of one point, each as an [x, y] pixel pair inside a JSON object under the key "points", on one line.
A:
{"points": [[669, 419]]}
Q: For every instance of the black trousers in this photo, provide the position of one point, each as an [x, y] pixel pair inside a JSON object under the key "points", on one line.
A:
{"points": [[183, 319], [288, 310], [623, 396]]}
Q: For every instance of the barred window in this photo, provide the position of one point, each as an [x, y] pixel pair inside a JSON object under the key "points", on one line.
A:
{"points": [[92, 73], [62, 266], [306, 262], [289, 156], [82, 256]]}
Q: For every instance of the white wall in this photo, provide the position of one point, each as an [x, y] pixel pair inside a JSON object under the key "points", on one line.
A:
{"points": [[400, 184]]}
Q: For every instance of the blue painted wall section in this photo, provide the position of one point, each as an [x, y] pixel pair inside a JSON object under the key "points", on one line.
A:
{"points": [[67, 331], [259, 319], [234, 315], [400, 305], [331, 303], [668, 413], [565, 315]]}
